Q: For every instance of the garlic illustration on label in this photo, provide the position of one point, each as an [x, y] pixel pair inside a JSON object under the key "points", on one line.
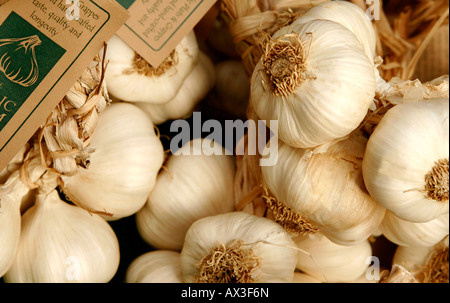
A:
{"points": [[18, 59]]}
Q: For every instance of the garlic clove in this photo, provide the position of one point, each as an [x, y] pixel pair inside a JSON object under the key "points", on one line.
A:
{"points": [[189, 188], [123, 168], [326, 189], [405, 233], [309, 94], [405, 165], [63, 243], [330, 262], [158, 266], [237, 247], [130, 78], [426, 264], [197, 84], [349, 15]]}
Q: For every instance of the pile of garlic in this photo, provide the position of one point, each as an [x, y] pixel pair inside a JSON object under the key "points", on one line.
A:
{"points": [[54, 225], [334, 177], [339, 184]]}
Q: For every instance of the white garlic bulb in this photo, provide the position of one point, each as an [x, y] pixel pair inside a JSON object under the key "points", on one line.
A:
{"points": [[330, 262], [61, 243], [316, 80], [406, 233], [427, 264], [13, 194], [193, 90], [406, 166], [130, 78], [9, 222], [123, 168], [158, 266], [237, 247], [349, 15], [326, 189], [191, 186]]}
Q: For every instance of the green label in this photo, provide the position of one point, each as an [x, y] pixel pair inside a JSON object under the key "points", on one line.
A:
{"points": [[26, 57], [127, 3]]}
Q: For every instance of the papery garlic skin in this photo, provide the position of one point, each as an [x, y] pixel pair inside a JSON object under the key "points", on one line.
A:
{"points": [[331, 99], [123, 168], [406, 233], [10, 218], [267, 240], [410, 140], [327, 189], [128, 83], [349, 15], [62, 243], [193, 90], [191, 186], [159, 266], [330, 262], [411, 258]]}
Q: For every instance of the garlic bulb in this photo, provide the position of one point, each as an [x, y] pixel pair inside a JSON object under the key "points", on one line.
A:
{"points": [[330, 262], [427, 264], [316, 80], [191, 187], [193, 90], [63, 243], [237, 247], [349, 15], [159, 266], [18, 60], [405, 166], [405, 233], [10, 199], [325, 189], [13, 194], [130, 78], [123, 168]]}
